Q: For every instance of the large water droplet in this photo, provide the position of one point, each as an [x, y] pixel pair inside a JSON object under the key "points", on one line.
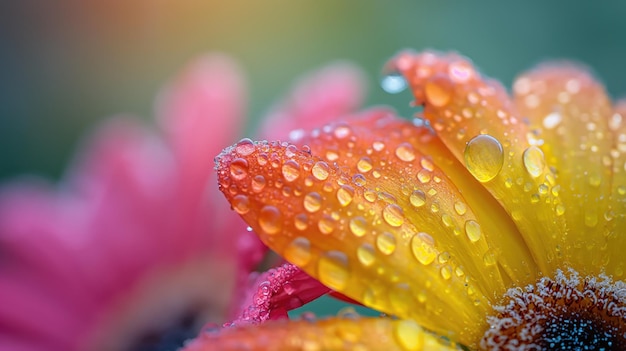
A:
{"points": [[320, 170], [409, 334], [366, 254], [245, 147], [405, 152], [312, 202], [393, 83], [298, 251], [333, 270], [534, 161], [386, 243], [422, 246], [270, 220], [241, 204], [239, 168], [417, 198], [358, 226], [326, 224], [472, 230], [344, 195], [484, 157], [291, 170], [438, 91], [258, 183], [364, 165], [392, 214]]}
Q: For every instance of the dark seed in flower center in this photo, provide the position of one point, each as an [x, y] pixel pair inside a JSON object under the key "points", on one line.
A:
{"points": [[565, 313], [579, 333]]}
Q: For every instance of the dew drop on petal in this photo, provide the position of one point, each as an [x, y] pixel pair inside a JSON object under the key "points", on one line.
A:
{"points": [[239, 168], [358, 226], [460, 208], [342, 131], [393, 215], [422, 246], [258, 183], [301, 221], [320, 170], [312, 202], [386, 243], [472, 230], [484, 157], [244, 147], [364, 165], [366, 254], [405, 152], [552, 120], [344, 195], [417, 198], [438, 91], [326, 224], [291, 170], [393, 83], [333, 270], [270, 219], [409, 335], [534, 161], [241, 204], [298, 251]]}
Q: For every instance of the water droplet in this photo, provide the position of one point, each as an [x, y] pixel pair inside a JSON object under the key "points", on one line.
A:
{"points": [[291, 170], [342, 131], [364, 165], [393, 83], [326, 224], [370, 195], [446, 272], [534, 161], [552, 120], [239, 168], [560, 209], [595, 180], [472, 230], [424, 176], [438, 91], [427, 164], [422, 246], [332, 155], [489, 258], [405, 152], [298, 251], [344, 195], [312, 202], [417, 198], [262, 159], [378, 145], [392, 214], [366, 255], [333, 270], [386, 243], [484, 157], [270, 220], [241, 204], [359, 179], [358, 226], [410, 336], [301, 221], [320, 170], [291, 151], [460, 208], [258, 183], [245, 147]]}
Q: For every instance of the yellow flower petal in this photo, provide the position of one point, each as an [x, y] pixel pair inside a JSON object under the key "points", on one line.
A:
{"points": [[476, 120], [568, 115], [359, 334], [384, 224]]}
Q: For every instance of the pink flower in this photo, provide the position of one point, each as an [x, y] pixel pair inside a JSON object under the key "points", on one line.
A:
{"points": [[135, 248]]}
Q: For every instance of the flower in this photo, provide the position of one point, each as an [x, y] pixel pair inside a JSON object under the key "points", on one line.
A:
{"points": [[137, 249], [488, 222]]}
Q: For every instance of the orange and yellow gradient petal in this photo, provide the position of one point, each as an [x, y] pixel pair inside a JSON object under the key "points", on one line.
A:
{"points": [[359, 334]]}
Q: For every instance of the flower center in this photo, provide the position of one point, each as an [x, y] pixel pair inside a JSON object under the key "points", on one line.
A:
{"points": [[565, 313]]}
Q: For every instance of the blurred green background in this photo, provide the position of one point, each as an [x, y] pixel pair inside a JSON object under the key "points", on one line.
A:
{"points": [[67, 64]]}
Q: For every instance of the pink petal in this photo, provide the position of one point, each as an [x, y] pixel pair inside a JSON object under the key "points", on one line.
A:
{"points": [[317, 99]]}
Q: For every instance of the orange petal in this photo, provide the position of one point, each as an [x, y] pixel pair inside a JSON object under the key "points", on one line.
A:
{"points": [[474, 117], [568, 116], [330, 334], [383, 224]]}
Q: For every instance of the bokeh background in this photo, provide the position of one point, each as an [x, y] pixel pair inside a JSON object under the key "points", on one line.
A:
{"points": [[67, 64]]}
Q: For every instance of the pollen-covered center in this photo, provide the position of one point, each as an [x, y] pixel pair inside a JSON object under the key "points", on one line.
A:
{"points": [[565, 313]]}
